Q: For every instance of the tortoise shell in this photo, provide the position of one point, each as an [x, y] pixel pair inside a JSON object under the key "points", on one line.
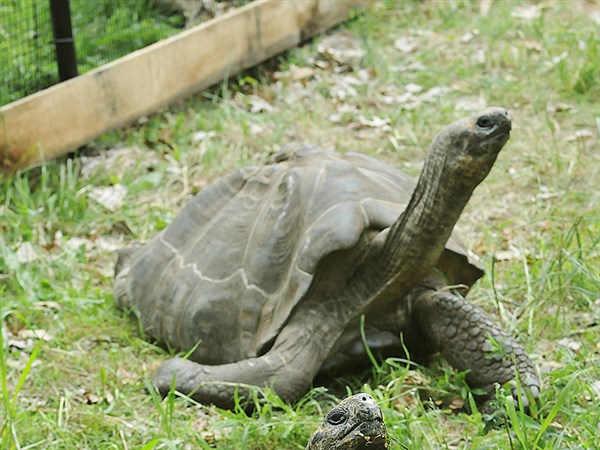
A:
{"points": [[227, 273]]}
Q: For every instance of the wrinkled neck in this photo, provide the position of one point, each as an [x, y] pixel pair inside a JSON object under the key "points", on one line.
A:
{"points": [[418, 237], [420, 234]]}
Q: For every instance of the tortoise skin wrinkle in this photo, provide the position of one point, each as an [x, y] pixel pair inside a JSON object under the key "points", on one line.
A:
{"points": [[356, 423], [267, 272]]}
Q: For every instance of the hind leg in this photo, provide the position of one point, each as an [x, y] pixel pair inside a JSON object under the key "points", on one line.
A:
{"points": [[464, 335]]}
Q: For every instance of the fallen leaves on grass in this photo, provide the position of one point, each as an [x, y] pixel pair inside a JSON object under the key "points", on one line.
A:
{"points": [[84, 395], [100, 243], [375, 122], [507, 255], [26, 253], [200, 136], [116, 161], [559, 107], [580, 135], [342, 49], [20, 363], [406, 44], [24, 339], [258, 104], [456, 404], [110, 197], [571, 344], [412, 97], [411, 383], [528, 13], [47, 304], [295, 73], [203, 424], [343, 87], [128, 377]]}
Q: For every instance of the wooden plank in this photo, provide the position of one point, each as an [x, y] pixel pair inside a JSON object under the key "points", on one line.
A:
{"points": [[61, 118]]}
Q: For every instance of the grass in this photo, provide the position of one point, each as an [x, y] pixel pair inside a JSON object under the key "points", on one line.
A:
{"points": [[535, 222]]}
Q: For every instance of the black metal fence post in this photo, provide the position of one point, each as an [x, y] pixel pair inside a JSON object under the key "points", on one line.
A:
{"points": [[63, 39]]}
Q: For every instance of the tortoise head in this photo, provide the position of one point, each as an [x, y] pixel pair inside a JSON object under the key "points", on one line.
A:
{"points": [[355, 423], [470, 146]]}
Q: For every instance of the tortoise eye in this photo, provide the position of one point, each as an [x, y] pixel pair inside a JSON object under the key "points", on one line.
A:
{"points": [[337, 417], [485, 122]]}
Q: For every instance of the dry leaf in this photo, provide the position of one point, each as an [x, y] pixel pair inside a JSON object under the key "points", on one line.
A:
{"points": [[415, 378], [18, 344], [75, 243], [256, 129], [551, 366], [479, 56], [375, 122], [90, 398], [127, 377], [342, 88], [110, 197], [456, 404], [571, 344], [582, 134], [211, 437], [200, 136], [109, 397], [548, 195], [406, 44], [48, 304], [559, 107], [408, 401], [468, 37], [433, 93], [595, 387], [527, 12], [335, 117], [117, 160], [56, 241], [20, 364], [415, 66], [530, 44], [413, 88], [506, 255], [300, 73], [107, 244], [342, 48], [40, 334], [26, 253], [258, 104]]}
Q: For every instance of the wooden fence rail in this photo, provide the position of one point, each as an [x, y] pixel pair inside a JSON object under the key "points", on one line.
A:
{"points": [[61, 118]]}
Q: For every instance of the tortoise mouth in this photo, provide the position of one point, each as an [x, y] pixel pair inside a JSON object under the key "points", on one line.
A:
{"points": [[499, 135], [501, 130], [367, 428]]}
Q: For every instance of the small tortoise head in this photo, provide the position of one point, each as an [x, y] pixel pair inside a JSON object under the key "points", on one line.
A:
{"points": [[356, 423], [471, 145]]}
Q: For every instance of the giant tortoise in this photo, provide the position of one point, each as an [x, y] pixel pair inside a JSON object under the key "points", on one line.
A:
{"points": [[264, 276]]}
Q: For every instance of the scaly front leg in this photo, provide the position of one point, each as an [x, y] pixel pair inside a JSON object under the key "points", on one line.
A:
{"points": [[465, 335]]}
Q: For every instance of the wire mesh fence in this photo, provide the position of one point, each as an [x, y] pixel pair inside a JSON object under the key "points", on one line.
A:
{"points": [[103, 30], [26, 50]]}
